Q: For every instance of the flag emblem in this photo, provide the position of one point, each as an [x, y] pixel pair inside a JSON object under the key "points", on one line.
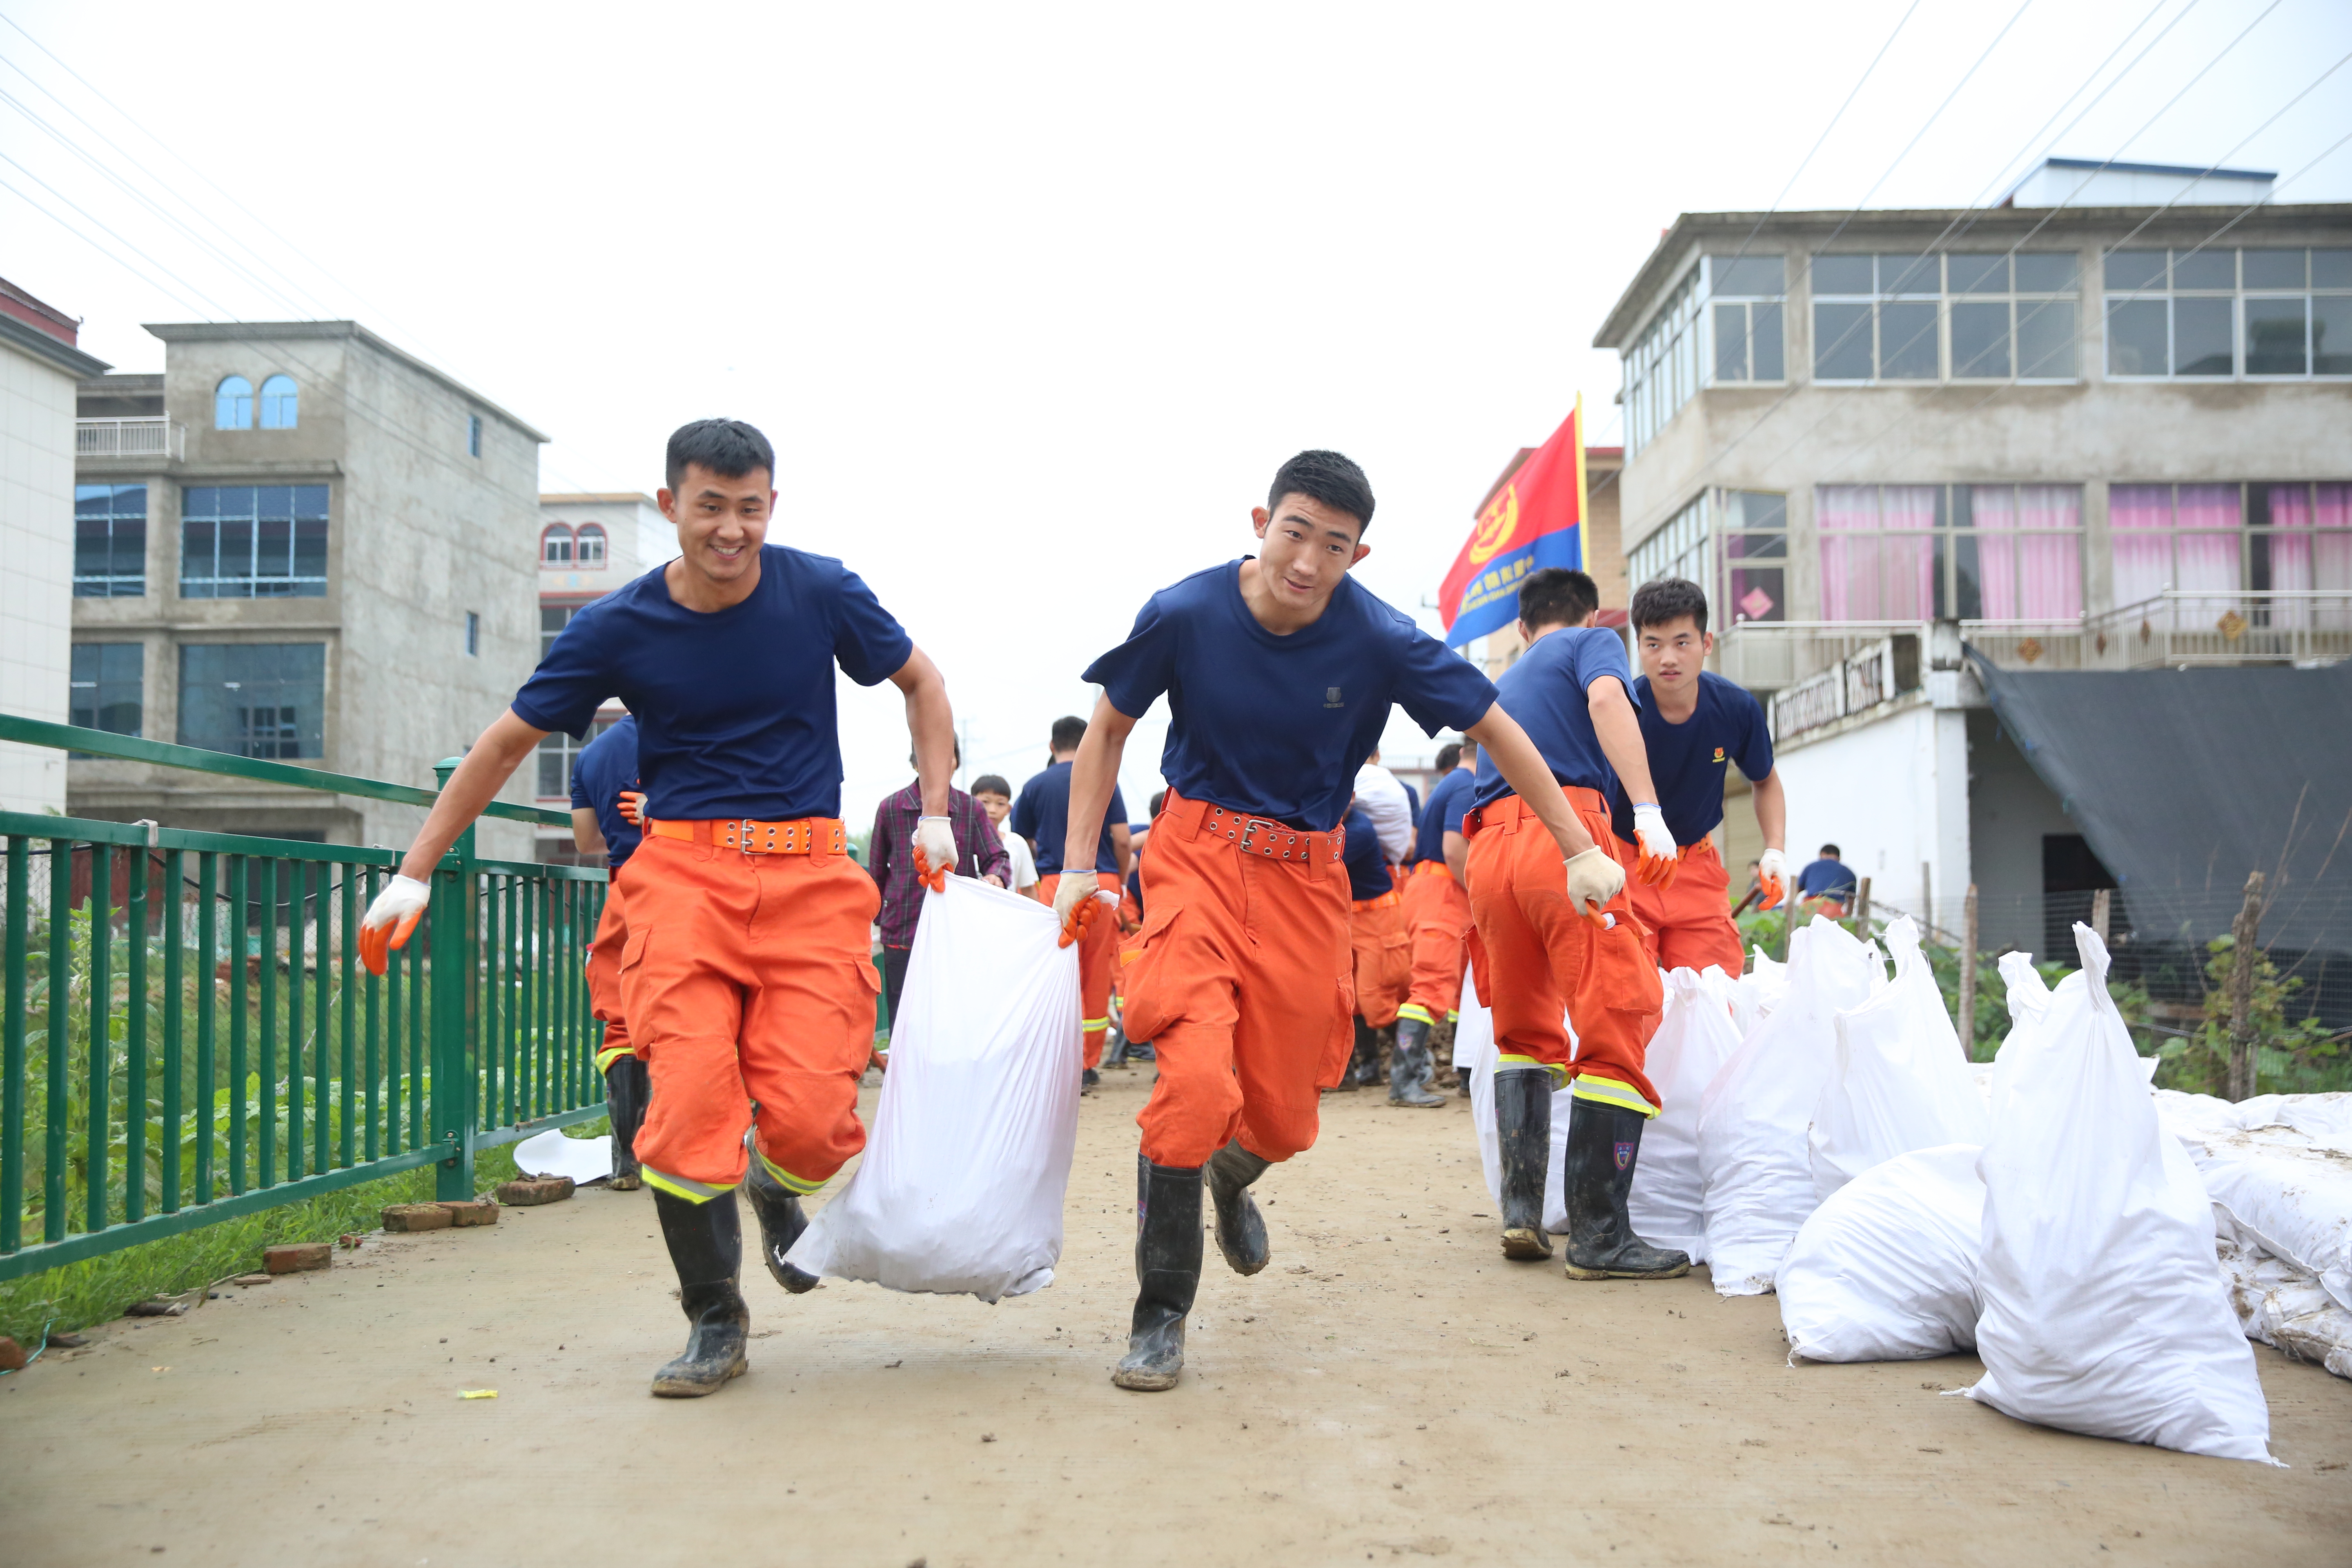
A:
{"points": [[1718, 753], [1625, 1155]]}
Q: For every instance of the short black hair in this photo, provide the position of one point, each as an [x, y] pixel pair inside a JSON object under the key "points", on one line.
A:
{"points": [[1328, 477], [1448, 755], [1068, 730], [990, 784], [728, 447], [1831, 850], [1668, 599], [1556, 597], [1157, 796]]}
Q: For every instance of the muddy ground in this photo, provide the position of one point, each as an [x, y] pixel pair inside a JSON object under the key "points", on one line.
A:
{"points": [[1388, 1389]]}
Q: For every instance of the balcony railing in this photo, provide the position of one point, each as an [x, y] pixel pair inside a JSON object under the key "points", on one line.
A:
{"points": [[129, 439]]}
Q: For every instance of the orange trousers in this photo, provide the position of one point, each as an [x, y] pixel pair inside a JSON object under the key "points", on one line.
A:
{"points": [[1096, 949], [1437, 915], [1241, 978], [1537, 958], [1383, 949], [1688, 924], [604, 978], [747, 978]]}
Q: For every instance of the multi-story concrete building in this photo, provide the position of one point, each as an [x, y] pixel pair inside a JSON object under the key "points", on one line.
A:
{"points": [[39, 365], [297, 542], [2091, 428], [588, 546]]}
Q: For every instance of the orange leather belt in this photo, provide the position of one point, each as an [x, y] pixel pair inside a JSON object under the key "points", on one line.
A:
{"points": [[1256, 836], [1383, 902], [1430, 868], [1506, 812], [804, 836]]}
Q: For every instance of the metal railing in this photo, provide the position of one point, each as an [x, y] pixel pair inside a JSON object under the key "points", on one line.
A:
{"points": [[187, 1034], [129, 439]]}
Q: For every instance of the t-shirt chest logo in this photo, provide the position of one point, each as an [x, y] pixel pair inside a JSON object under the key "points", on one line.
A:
{"points": [[1718, 753], [1331, 697]]}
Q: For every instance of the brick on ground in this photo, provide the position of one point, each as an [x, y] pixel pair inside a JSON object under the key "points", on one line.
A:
{"points": [[295, 1256], [401, 1217], [535, 1190]]}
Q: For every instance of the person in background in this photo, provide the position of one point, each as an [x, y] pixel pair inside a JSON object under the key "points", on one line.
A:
{"points": [[605, 769], [1388, 805], [1119, 1049], [1437, 912], [1827, 883], [1381, 958], [1039, 816], [890, 861], [995, 798]]}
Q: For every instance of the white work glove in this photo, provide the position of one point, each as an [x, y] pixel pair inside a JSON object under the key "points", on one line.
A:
{"points": [[1772, 876], [934, 851], [390, 919], [1078, 902], [1660, 858], [1594, 879]]}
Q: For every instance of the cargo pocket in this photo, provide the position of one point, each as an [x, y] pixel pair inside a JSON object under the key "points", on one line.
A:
{"points": [[857, 1040], [1154, 998], [1341, 1043], [1622, 972], [633, 952]]}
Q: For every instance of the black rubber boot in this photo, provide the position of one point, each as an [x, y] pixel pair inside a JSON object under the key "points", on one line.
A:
{"points": [[1089, 1080], [1366, 1067], [1409, 1066], [1241, 1229], [781, 1224], [1167, 1273], [1350, 1076], [1603, 1144], [1523, 1132], [706, 1245], [627, 1091]]}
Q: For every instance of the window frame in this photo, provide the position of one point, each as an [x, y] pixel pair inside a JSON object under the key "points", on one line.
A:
{"points": [[98, 680], [1949, 541], [243, 404], [546, 538], [2255, 565], [472, 435], [581, 537], [289, 401], [1693, 542], [2239, 294], [262, 737], [2019, 303], [111, 584], [292, 585]]}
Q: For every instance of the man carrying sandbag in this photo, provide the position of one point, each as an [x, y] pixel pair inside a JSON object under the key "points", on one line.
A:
{"points": [[747, 974], [1280, 673], [604, 823], [1553, 940]]}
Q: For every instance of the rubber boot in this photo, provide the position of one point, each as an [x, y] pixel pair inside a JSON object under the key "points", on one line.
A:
{"points": [[1241, 1229], [706, 1245], [1349, 1080], [1167, 1274], [627, 1091], [781, 1224], [1523, 1132], [1409, 1066], [1367, 1065], [1089, 1081], [1603, 1144]]}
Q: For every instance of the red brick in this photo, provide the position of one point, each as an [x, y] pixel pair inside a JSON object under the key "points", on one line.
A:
{"points": [[298, 1255], [12, 1355], [539, 1190], [464, 1215], [416, 1216]]}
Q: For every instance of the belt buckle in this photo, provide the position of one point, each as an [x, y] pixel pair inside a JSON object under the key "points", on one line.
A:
{"points": [[1249, 832]]}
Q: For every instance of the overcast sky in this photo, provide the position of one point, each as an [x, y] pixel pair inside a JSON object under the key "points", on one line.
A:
{"points": [[1031, 300]]}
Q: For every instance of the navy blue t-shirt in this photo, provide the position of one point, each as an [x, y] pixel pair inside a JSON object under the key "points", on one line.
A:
{"points": [[1687, 760], [1412, 798], [1819, 878], [734, 707], [1041, 813], [1277, 726], [599, 773], [1547, 691], [1368, 873], [1448, 799]]}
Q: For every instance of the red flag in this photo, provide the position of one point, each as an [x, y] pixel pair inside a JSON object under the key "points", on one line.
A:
{"points": [[1535, 519]]}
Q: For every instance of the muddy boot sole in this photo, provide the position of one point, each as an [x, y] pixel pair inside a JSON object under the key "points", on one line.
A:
{"points": [[694, 1383], [1672, 1271], [1148, 1379], [1522, 1244], [626, 1183]]}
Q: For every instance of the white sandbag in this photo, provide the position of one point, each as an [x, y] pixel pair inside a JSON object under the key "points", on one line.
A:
{"points": [[2278, 1189], [1752, 1118], [2281, 1305], [961, 1188], [1886, 1268], [1900, 1082], [1754, 994], [1485, 1055], [2104, 1307], [550, 1154], [1694, 1038], [2030, 1001]]}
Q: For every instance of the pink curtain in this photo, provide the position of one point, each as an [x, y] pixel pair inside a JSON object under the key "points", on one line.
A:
{"points": [[2331, 547], [2208, 560], [1992, 508], [2290, 508], [1849, 564], [2050, 578], [2139, 522], [1907, 581]]}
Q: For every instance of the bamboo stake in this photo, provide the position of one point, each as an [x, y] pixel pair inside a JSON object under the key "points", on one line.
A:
{"points": [[1968, 973], [2100, 908], [1862, 908], [2244, 954]]}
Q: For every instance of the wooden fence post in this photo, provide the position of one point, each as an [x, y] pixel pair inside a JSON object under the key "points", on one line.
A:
{"points": [[2245, 952], [1928, 900], [1969, 975], [1862, 908], [2100, 908]]}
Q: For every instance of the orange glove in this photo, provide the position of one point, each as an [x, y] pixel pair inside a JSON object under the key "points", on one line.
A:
{"points": [[391, 919], [1594, 879], [935, 852], [1659, 857], [633, 807], [1772, 873], [1078, 902]]}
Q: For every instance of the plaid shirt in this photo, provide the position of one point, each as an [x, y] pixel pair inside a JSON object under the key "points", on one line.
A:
{"points": [[891, 855]]}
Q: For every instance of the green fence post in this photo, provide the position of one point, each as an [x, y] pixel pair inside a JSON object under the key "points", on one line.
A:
{"points": [[452, 963]]}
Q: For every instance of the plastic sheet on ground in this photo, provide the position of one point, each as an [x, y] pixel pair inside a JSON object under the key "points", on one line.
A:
{"points": [[961, 1188], [550, 1154], [2105, 1310], [1886, 1268], [1694, 1038]]}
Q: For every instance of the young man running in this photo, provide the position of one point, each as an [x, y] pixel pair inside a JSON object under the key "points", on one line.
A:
{"points": [[1437, 910], [1545, 947], [747, 974], [601, 825], [1280, 673], [1695, 724], [1040, 815]]}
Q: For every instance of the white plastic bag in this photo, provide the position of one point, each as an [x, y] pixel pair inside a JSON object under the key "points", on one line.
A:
{"points": [[961, 1188], [1886, 1268], [1752, 1119], [2104, 1307], [1694, 1038], [1900, 1081], [2030, 999], [1754, 994], [1484, 1054]]}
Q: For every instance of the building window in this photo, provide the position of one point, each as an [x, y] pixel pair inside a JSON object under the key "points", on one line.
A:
{"points": [[1746, 577], [473, 434], [109, 686], [2267, 313], [2221, 539], [558, 752], [1883, 317], [555, 545], [1662, 367], [592, 544], [1747, 293], [253, 700], [1971, 553], [473, 634], [253, 542], [109, 541], [1678, 549], [552, 619], [280, 403], [232, 404]]}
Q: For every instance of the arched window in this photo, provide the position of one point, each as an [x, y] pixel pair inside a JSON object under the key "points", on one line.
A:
{"points": [[278, 403], [592, 544], [555, 545], [233, 405]]}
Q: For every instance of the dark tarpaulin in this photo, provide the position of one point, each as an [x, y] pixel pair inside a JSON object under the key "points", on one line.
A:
{"points": [[2185, 780]]}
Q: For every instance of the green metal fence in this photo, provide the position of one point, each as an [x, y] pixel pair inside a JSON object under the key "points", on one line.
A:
{"points": [[190, 1035]]}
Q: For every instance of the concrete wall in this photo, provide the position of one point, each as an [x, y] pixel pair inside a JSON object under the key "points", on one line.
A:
{"points": [[37, 480], [1890, 789]]}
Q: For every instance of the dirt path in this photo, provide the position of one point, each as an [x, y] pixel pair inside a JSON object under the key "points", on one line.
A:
{"points": [[1388, 1388]]}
